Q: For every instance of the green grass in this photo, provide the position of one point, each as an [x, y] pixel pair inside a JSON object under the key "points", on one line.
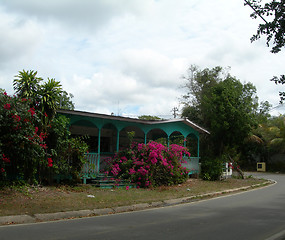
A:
{"points": [[31, 200]]}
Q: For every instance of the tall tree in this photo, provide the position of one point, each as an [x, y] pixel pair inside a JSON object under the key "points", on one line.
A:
{"points": [[222, 104], [230, 106], [198, 83]]}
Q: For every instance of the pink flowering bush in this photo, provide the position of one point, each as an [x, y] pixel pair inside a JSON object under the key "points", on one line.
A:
{"points": [[150, 165]]}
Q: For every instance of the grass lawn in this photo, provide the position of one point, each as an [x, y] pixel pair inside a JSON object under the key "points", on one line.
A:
{"points": [[31, 200]]}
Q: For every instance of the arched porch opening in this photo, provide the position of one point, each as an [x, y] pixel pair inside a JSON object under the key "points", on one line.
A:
{"points": [[108, 144], [157, 135], [108, 139], [192, 143], [124, 141], [176, 138], [86, 128], [192, 164]]}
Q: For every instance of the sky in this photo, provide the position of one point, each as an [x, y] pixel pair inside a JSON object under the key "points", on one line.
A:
{"points": [[127, 57]]}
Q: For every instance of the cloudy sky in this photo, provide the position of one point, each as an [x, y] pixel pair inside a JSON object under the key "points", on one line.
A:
{"points": [[128, 56]]}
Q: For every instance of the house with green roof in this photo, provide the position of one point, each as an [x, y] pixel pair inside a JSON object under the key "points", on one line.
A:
{"points": [[107, 134]]}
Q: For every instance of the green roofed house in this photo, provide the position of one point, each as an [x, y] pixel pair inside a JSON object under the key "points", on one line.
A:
{"points": [[108, 134]]}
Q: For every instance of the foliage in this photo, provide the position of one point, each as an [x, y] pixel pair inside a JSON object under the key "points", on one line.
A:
{"points": [[211, 169], [262, 114], [150, 164], [148, 117], [280, 80], [68, 152], [65, 101], [222, 104], [49, 93], [198, 84], [273, 134], [46, 95], [231, 108], [27, 85], [22, 139], [33, 143], [275, 29]]}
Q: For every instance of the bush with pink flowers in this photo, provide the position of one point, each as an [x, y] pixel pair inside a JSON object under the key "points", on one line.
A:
{"points": [[150, 165]]}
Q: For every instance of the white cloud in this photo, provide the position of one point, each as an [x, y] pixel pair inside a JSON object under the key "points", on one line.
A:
{"points": [[128, 56], [19, 37]]}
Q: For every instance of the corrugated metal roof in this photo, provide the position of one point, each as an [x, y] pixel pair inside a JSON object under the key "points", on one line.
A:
{"points": [[128, 119]]}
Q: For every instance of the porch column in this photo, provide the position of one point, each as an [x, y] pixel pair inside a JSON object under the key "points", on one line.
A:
{"points": [[198, 147], [167, 141], [184, 144], [99, 149], [118, 140]]}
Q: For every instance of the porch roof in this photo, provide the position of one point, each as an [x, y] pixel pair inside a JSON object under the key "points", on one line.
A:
{"points": [[134, 120]]}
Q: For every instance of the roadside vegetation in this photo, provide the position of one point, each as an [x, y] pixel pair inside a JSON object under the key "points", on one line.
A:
{"points": [[242, 130]]}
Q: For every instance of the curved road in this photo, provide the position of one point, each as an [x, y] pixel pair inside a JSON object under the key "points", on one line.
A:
{"points": [[257, 214]]}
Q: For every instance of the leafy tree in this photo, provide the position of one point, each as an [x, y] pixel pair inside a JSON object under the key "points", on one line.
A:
{"points": [[148, 117], [65, 101], [224, 106], [262, 113], [273, 134], [274, 29], [230, 107], [198, 84]]}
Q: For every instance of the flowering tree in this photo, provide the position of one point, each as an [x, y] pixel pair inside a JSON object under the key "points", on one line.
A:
{"points": [[34, 143], [22, 140], [151, 164]]}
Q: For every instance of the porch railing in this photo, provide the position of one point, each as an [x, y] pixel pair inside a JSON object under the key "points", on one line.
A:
{"points": [[192, 164], [91, 167]]}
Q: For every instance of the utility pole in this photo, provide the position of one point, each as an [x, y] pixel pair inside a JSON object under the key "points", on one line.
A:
{"points": [[174, 110]]}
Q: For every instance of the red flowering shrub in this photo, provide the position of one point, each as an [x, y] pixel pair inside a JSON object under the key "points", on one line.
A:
{"points": [[150, 164], [35, 144], [22, 143]]}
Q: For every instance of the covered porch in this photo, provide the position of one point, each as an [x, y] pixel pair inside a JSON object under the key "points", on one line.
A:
{"points": [[108, 134]]}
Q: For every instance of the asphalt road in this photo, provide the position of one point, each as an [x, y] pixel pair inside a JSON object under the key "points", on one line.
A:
{"points": [[257, 214]]}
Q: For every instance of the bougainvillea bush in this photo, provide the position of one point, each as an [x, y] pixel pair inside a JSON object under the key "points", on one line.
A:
{"points": [[149, 165]]}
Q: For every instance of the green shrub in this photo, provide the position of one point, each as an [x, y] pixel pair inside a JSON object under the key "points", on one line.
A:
{"points": [[211, 169]]}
